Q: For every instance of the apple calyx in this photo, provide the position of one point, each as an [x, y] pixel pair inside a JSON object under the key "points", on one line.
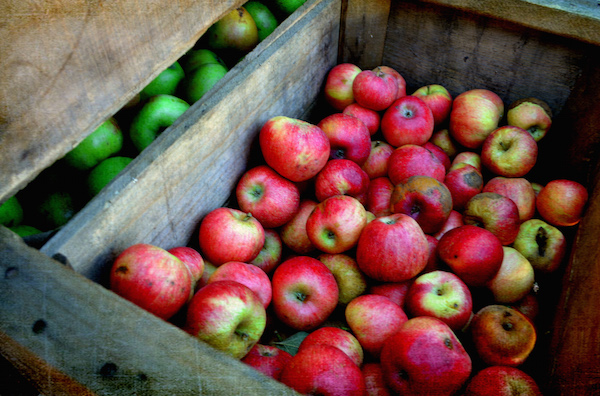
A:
{"points": [[300, 296], [541, 238], [448, 343]]}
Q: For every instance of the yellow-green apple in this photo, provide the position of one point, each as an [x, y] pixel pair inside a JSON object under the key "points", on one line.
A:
{"points": [[375, 89], [201, 80], [376, 164], [438, 99], [193, 260], [495, 213], [350, 280], [472, 253], [425, 199], [424, 357], [208, 270], [197, 57], [463, 181], [248, 275], [374, 381], [516, 188], [542, 244], [323, 369], [454, 220], [509, 151], [443, 295], [392, 248], [165, 83], [229, 234], [502, 381], [412, 160], [515, 278], [445, 141], [338, 85], [293, 233], [348, 136], [399, 80], [228, 316], [537, 187], [341, 177], [475, 114], [532, 114], [372, 319], [502, 336], [235, 31], [271, 198], [335, 224], [395, 291], [151, 278], [267, 359], [271, 253], [305, 292], [336, 337], [407, 120], [468, 157], [369, 117], [562, 202], [296, 149], [439, 153], [379, 195]]}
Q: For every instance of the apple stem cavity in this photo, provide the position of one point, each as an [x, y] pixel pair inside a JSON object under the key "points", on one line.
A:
{"points": [[300, 296], [338, 154], [541, 238], [448, 343]]}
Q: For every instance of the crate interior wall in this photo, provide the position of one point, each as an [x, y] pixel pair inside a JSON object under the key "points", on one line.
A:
{"points": [[94, 340]]}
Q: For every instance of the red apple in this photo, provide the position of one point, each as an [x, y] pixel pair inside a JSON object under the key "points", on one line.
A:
{"points": [[443, 295], [336, 337], [502, 381], [472, 253], [348, 136], [412, 160], [439, 153], [502, 336], [228, 234], [305, 292], [192, 259], [454, 220], [270, 255], [228, 316], [395, 291], [267, 359], [407, 120], [424, 357], [392, 248], [399, 80], [474, 115], [323, 370], [293, 233], [514, 279], [248, 275], [374, 381], [369, 117], [532, 114], [467, 157], [438, 99], [562, 202], [296, 149], [341, 176], [495, 213], [425, 199], [338, 85], [516, 188], [335, 224], [528, 305], [509, 151], [372, 319], [151, 278], [464, 181], [350, 280], [377, 162], [542, 244], [375, 89], [433, 262], [379, 196], [271, 198]]}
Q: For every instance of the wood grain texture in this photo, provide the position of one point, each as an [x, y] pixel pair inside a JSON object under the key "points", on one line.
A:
{"points": [[363, 32], [69, 65], [194, 165], [81, 331]]}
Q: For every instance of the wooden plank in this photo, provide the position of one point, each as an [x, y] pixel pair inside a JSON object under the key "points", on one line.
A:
{"points": [[69, 65], [363, 32], [79, 330], [193, 166]]}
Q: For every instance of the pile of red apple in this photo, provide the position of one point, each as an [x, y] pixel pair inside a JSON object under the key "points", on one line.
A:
{"points": [[373, 233]]}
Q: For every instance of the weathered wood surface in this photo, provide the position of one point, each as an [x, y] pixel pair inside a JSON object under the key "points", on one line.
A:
{"points": [[193, 166], [69, 65], [71, 335]]}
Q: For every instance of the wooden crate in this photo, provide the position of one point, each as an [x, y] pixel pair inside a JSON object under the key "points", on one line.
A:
{"points": [[67, 334]]}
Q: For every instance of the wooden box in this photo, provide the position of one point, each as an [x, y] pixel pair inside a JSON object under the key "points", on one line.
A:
{"points": [[73, 65]]}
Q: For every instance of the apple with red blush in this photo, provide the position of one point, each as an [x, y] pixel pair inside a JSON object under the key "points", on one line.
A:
{"points": [[467, 157], [514, 279], [407, 120], [562, 202], [464, 181], [293, 233], [445, 141], [518, 189], [341, 177], [374, 381], [532, 114], [336, 337], [438, 99], [267, 359], [351, 281], [348, 136], [371, 118], [271, 253], [376, 164], [412, 160], [400, 81], [192, 259], [509, 151], [454, 220], [338, 85], [439, 153], [494, 212], [379, 196], [375, 89], [248, 275], [395, 291], [502, 381]]}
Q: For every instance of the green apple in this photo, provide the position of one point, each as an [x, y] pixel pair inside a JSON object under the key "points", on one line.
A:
{"points": [[201, 80], [263, 17], [11, 212], [235, 31], [56, 209], [165, 83], [158, 113], [287, 7], [195, 58], [24, 230], [104, 172], [104, 142]]}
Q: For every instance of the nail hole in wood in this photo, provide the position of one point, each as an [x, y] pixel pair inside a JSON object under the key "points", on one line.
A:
{"points": [[11, 272], [108, 370], [39, 326]]}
